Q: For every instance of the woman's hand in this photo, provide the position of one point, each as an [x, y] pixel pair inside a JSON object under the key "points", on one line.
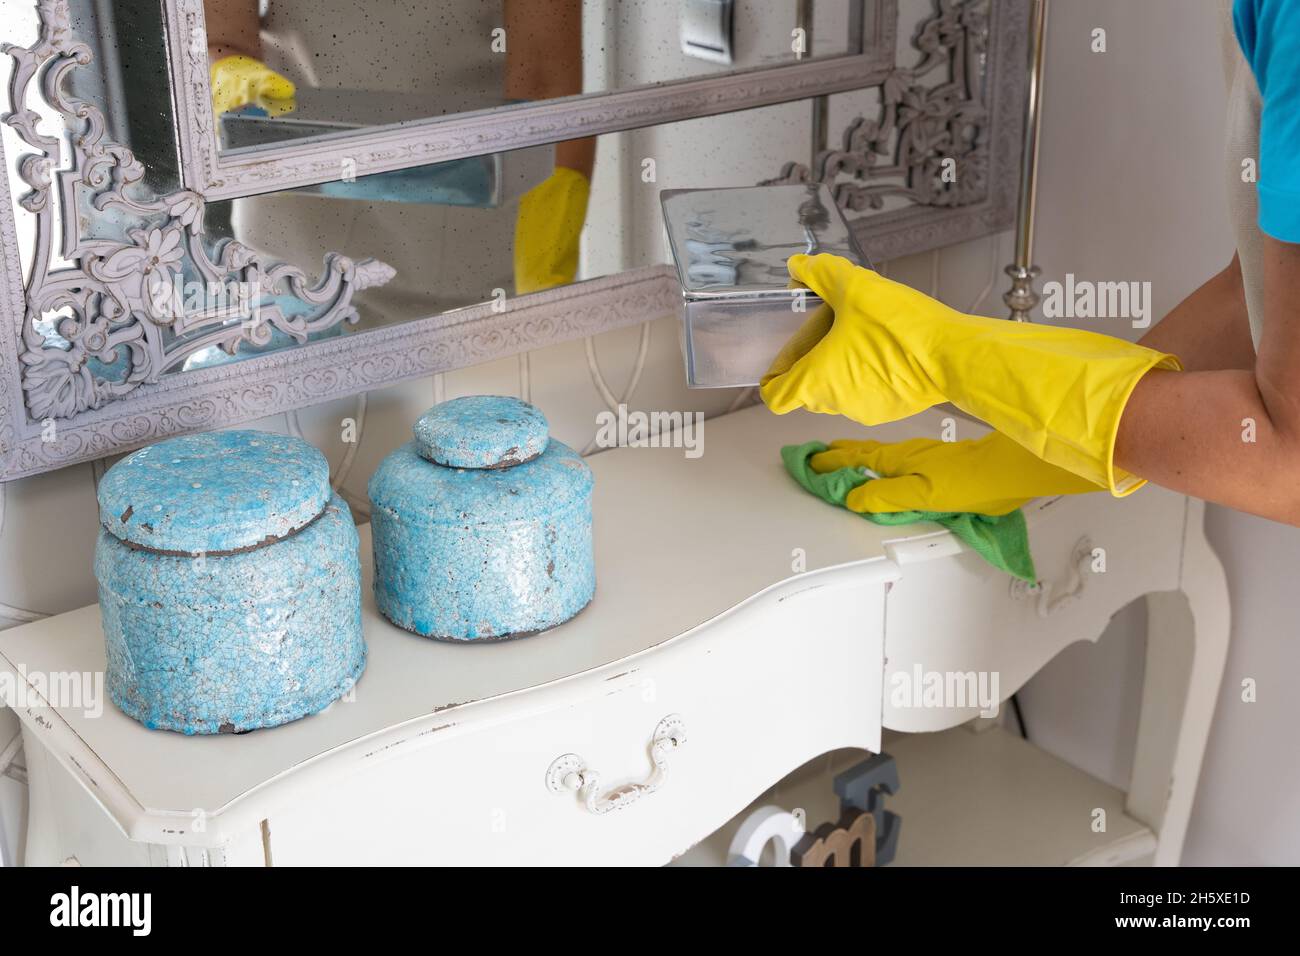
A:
{"points": [[860, 354], [990, 475], [240, 80], [891, 352]]}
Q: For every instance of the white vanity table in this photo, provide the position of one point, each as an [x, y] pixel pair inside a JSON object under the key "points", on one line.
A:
{"points": [[702, 634]]}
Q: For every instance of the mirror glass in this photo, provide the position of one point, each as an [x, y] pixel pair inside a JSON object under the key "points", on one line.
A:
{"points": [[435, 238], [453, 243], [351, 65], [467, 232]]}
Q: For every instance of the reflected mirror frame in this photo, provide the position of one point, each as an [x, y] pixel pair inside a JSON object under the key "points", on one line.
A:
{"points": [[217, 174]]}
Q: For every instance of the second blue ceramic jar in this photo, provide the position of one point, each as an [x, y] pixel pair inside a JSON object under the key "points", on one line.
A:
{"points": [[482, 524]]}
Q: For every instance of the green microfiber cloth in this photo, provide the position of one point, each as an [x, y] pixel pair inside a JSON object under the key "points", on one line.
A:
{"points": [[1002, 541]]}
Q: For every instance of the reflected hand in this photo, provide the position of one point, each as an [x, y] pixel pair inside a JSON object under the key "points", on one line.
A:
{"points": [[240, 80], [551, 215]]}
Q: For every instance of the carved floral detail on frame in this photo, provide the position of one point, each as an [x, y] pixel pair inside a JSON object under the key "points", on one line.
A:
{"points": [[115, 316], [922, 130]]}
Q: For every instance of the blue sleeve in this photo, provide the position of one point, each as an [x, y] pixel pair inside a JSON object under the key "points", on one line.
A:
{"points": [[1269, 34]]}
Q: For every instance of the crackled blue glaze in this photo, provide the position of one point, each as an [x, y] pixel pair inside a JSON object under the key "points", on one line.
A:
{"points": [[226, 644], [481, 431], [214, 492], [471, 554]]}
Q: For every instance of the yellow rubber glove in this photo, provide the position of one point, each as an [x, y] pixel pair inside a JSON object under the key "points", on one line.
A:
{"points": [[239, 80], [550, 220], [888, 352], [989, 476]]}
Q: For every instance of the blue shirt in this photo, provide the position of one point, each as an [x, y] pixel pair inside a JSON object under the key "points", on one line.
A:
{"points": [[1269, 34]]}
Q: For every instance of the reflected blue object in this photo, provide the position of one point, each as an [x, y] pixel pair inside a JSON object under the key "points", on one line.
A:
{"points": [[484, 181], [465, 182], [212, 355], [288, 304], [114, 371]]}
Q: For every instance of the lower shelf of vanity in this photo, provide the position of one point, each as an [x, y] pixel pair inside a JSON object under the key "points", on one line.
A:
{"points": [[969, 798]]}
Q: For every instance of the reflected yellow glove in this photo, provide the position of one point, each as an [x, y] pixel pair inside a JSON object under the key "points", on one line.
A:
{"points": [[550, 221], [989, 476], [239, 80], [884, 351]]}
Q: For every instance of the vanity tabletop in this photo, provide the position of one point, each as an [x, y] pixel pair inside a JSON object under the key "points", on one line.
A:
{"points": [[678, 541]]}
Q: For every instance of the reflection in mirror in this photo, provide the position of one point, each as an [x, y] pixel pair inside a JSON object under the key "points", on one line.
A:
{"points": [[127, 272], [124, 79], [292, 69], [166, 282], [125, 42], [453, 244], [457, 239], [122, 280]]}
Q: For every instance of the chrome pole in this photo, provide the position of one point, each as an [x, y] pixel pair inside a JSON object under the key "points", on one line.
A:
{"points": [[1022, 297]]}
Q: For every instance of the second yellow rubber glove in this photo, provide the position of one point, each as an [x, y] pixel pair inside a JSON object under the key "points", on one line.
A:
{"points": [[550, 221], [989, 476], [240, 80], [890, 352]]}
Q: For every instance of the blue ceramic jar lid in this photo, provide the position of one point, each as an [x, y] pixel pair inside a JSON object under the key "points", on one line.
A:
{"points": [[214, 492], [423, 495], [481, 431]]}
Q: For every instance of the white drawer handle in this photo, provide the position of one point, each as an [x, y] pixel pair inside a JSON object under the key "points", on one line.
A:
{"points": [[570, 772]]}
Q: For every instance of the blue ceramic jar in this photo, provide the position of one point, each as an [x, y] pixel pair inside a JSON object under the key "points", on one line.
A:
{"points": [[482, 525], [229, 583]]}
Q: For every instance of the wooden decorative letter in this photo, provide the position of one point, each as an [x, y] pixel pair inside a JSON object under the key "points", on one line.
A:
{"points": [[851, 842]]}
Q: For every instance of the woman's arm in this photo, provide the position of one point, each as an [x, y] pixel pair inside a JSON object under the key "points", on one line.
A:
{"points": [[1210, 328], [544, 61], [1230, 435], [233, 29]]}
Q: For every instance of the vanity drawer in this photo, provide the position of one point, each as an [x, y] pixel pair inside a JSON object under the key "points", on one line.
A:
{"points": [[790, 674], [958, 616]]}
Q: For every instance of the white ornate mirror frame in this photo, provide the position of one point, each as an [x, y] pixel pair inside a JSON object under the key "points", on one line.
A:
{"points": [[112, 294]]}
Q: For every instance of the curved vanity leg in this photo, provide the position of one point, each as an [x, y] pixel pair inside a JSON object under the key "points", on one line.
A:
{"points": [[1187, 645]]}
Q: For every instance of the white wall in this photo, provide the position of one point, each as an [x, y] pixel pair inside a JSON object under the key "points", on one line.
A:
{"points": [[1248, 801], [1132, 188]]}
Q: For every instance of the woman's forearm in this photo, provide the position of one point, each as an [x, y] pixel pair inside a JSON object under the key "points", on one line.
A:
{"points": [[1230, 436], [544, 61], [579, 154], [1211, 435], [233, 28], [1209, 329]]}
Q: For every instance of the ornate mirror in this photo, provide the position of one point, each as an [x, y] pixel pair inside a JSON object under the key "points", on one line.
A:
{"points": [[173, 258]]}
